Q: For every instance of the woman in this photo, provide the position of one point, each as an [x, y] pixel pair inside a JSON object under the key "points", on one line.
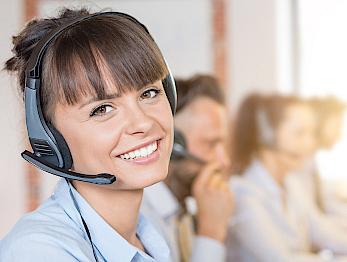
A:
{"points": [[274, 136], [329, 112], [103, 89]]}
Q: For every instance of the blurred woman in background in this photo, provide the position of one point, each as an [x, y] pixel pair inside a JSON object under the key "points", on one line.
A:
{"points": [[273, 137], [329, 113]]}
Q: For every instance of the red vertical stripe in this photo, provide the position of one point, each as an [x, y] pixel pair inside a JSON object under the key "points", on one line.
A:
{"points": [[32, 175], [220, 54], [30, 9]]}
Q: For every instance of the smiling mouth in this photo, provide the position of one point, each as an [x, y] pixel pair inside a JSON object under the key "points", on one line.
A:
{"points": [[141, 153]]}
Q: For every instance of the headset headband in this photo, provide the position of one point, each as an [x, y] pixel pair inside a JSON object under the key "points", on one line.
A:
{"points": [[33, 69]]}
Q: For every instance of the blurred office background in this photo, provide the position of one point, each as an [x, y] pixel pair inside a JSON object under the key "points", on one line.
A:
{"points": [[288, 46]]}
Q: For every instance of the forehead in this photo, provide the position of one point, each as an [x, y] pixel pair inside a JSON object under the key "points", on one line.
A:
{"points": [[208, 117]]}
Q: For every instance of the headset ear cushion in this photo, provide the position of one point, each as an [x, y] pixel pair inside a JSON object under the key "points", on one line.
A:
{"points": [[63, 147], [170, 91]]}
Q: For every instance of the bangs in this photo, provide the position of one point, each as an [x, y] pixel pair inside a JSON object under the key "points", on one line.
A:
{"points": [[98, 56]]}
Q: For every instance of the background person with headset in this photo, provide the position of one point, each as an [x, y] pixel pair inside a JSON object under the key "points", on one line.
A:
{"points": [[197, 171], [99, 100], [274, 221], [329, 112]]}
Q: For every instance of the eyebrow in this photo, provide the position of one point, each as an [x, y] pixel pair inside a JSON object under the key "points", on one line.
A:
{"points": [[94, 99], [111, 96]]}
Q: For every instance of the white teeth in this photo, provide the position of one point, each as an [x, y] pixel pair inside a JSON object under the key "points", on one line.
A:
{"points": [[142, 152], [155, 146], [132, 154]]}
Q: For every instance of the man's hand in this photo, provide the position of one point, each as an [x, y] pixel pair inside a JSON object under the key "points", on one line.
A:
{"points": [[214, 202]]}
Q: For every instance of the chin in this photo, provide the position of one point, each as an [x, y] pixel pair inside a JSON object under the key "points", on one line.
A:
{"points": [[143, 180], [154, 182], [157, 178]]}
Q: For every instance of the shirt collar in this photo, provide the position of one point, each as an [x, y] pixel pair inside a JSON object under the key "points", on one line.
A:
{"points": [[105, 239], [257, 173], [162, 200], [152, 241]]}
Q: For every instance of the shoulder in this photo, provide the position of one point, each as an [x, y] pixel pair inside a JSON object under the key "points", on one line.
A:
{"points": [[250, 200], [245, 188], [159, 200], [45, 234]]}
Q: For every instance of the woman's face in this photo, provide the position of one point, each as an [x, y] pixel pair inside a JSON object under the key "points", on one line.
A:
{"points": [[295, 136], [128, 135]]}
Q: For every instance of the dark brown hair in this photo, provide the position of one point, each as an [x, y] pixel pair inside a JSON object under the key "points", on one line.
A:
{"points": [[198, 86], [88, 58], [246, 134]]}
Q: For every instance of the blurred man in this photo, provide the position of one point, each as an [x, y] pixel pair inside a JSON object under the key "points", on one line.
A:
{"points": [[201, 173]]}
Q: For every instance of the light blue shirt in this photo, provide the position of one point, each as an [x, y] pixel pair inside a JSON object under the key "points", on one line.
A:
{"points": [[55, 232], [275, 223]]}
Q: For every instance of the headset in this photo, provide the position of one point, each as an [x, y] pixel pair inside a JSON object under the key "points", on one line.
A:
{"points": [[266, 133], [180, 151], [50, 150], [266, 136]]}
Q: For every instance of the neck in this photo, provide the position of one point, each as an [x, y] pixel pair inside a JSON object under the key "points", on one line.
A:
{"points": [[119, 208], [272, 163]]}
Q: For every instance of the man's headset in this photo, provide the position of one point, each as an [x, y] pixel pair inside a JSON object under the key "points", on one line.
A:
{"points": [[51, 152]]}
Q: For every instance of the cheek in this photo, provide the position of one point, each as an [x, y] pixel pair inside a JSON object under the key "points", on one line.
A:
{"points": [[194, 146], [164, 118], [287, 141], [91, 146], [207, 152]]}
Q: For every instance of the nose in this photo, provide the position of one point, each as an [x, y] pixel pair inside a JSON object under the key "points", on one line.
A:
{"points": [[222, 156], [139, 122]]}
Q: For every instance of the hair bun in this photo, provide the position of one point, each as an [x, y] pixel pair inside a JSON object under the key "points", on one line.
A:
{"points": [[33, 32]]}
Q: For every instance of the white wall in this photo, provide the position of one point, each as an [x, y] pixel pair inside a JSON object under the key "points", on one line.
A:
{"points": [[323, 44], [260, 44], [12, 188], [182, 29]]}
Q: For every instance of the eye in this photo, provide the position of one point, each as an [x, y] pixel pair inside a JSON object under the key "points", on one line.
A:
{"points": [[150, 93], [101, 110]]}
